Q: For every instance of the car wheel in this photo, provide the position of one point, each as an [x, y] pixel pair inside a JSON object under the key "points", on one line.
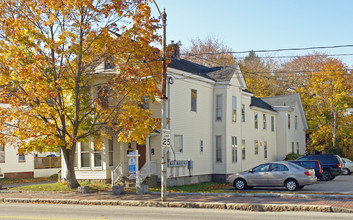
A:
{"points": [[346, 171], [326, 175], [291, 185], [240, 184]]}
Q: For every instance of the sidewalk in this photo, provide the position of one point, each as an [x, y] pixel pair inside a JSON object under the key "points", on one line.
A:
{"points": [[239, 201]]}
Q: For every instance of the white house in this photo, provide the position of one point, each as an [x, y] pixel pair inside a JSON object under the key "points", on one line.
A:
{"points": [[217, 128], [15, 165]]}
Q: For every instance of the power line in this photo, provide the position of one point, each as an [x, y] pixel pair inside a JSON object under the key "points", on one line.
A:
{"points": [[272, 50]]}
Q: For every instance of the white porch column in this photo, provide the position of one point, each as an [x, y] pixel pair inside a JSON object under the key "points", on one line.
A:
{"points": [[148, 157], [122, 157]]}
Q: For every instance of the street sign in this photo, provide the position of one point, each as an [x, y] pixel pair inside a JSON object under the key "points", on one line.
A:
{"points": [[165, 138]]}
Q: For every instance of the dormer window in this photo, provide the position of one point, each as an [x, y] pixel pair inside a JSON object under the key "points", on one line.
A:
{"points": [[109, 63]]}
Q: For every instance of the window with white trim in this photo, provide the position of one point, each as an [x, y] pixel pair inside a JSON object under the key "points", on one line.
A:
{"points": [[21, 157], [111, 152], [265, 149], [234, 109], [243, 113], [256, 120], [2, 153], [272, 123], [256, 146], [194, 100], [264, 121], [234, 149], [288, 121], [243, 149], [219, 149], [97, 158], [296, 122], [201, 146], [219, 108], [85, 152]]}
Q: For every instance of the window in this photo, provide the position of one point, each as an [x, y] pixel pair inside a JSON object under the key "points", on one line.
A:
{"points": [[256, 120], [262, 168], [21, 157], [193, 100], [288, 121], [297, 147], [97, 158], [109, 63], [178, 143], [278, 167], [218, 149], [111, 152], [144, 104], [272, 123], [234, 109], [201, 146], [219, 108], [234, 149], [103, 96], [264, 121], [2, 154], [293, 147], [256, 145], [243, 149], [296, 122], [243, 113], [85, 154], [265, 149]]}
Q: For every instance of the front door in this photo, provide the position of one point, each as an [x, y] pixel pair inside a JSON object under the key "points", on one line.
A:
{"points": [[142, 157]]}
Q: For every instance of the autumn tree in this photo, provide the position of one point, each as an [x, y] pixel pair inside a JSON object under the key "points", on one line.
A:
{"points": [[322, 82], [263, 76], [73, 70], [209, 52]]}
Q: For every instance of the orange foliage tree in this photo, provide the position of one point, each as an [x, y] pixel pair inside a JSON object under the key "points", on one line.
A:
{"points": [[51, 52]]}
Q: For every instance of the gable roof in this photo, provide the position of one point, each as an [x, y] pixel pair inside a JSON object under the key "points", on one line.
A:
{"points": [[223, 74], [258, 102], [282, 100]]}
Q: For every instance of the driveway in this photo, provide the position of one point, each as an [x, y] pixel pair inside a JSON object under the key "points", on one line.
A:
{"points": [[341, 184]]}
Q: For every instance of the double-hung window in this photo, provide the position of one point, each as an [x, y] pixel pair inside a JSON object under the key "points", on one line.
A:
{"points": [[243, 149], [219, 108], [234, 109], [288, 121], [265, 149], [2, 154], [256, 120], [264, 121], [243, 113], [85, 158], [256, 145], [219, 149], [194, 100], [272, 123], [234, 149]]}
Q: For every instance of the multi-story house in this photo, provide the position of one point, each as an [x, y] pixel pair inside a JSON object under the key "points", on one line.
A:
{"points": [[217, 128]]}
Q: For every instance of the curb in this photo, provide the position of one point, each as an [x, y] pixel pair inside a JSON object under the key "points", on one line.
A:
{"points": [[205, 205]]}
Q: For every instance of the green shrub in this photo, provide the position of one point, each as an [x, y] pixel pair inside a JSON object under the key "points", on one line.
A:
{"points": [[292, 156]]}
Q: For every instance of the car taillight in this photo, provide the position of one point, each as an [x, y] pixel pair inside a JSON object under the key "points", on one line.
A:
{"points": [[320, 170], [339, 165], [307, 173]]}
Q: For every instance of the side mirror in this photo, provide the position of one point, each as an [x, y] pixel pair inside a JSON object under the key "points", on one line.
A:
{"points": [[250, 171]]}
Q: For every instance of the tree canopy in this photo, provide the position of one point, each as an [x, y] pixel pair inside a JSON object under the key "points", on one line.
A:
{"points": [[73, 70]]}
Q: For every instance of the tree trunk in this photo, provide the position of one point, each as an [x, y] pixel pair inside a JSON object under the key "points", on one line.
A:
{"points": [[69, 156]]}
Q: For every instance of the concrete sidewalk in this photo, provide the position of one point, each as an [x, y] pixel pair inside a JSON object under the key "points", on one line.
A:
{"points": [[238, 201]]}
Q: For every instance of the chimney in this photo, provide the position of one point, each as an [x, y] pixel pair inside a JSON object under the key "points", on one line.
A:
{"points": [[175, 49]]}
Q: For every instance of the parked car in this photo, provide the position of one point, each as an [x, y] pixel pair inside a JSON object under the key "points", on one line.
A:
{"points": [[310, 164], [348, 166], [286, 174], [331, 164]]}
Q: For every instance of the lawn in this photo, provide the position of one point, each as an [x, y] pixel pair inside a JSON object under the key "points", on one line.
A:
{"points": [[27, 180], [207, 187]]}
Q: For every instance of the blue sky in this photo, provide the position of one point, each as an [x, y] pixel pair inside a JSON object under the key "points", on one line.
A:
{"points": [[246, 25]]}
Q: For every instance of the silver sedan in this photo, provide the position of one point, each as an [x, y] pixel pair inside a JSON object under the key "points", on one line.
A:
{"points": [[286, 174]]}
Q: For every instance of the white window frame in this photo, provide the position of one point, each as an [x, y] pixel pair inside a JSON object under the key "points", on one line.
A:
{"points": [[264, 121], [256, 147], [234, 109], [243, 113], [2, 154], [193, 100], [110, 152], [256, 120], [265, 149], [234, 149], [243, 149], [201, 146], [84, 152], [272, 123], [296, 122], [288, 117], [219, 158], [218, 107]]}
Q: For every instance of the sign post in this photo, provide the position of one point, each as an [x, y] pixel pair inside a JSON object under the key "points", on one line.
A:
{"points": [[134, 167]]}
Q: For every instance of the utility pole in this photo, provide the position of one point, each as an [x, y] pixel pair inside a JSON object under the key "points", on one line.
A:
{"points": [[164, 107], [163, 16]]}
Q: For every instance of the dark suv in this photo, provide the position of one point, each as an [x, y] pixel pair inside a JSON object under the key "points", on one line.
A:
{"points": [[310, 164], [331, 164]]}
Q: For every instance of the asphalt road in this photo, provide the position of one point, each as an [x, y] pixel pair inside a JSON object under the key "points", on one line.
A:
{"points": [[78, 212], [341, 184]]}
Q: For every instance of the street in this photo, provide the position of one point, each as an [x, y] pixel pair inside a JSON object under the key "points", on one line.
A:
{"points": [[76, 212]]}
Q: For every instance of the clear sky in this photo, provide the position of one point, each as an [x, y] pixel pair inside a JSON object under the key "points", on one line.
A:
{"points": [[246, 25]]}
